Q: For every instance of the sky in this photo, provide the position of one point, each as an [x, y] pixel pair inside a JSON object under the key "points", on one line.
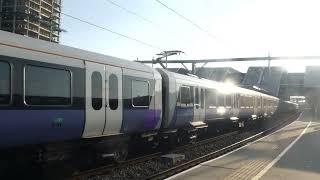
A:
{"points": [[230, 28]]}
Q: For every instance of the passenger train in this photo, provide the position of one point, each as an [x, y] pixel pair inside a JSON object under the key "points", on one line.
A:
{"points": [[56, 99]]}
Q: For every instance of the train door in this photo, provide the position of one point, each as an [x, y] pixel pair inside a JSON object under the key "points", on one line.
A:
{"points": [[198, 107], [95, 100], [185, 109], [236, 105], [255, 105], [202, 107], [113, 99]]}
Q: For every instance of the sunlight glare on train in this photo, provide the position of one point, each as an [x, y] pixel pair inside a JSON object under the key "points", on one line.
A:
{"points": [[221, 110]]}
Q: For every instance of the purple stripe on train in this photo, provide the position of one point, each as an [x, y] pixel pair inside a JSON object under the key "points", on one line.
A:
{"points": [[18, 127], [182, 117], [140, 120]]}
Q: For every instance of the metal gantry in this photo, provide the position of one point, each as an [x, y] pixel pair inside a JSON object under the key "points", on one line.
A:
{"points": [[206, 61]]}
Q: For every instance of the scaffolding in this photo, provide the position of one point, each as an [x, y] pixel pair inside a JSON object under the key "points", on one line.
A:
{"points": [[33, 18]]}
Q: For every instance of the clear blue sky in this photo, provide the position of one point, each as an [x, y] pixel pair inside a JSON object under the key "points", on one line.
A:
{"points": [[241, 28]]}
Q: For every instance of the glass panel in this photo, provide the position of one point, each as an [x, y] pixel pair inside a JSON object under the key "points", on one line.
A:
{"points": [[140, 93], [202, 98], [113, 92], [196, 96], [211, 98], [5, 83], [96, 90], [191, 95], [47, 86], [185, 95], [228, 100], [242, 101], [220, 99]]}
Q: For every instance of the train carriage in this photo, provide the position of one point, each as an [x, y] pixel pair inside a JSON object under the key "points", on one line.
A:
{"points": [[183, 102], [53, 95]]}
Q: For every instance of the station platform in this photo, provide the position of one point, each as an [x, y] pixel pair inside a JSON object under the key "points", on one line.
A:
{"points": [[289, 153]]}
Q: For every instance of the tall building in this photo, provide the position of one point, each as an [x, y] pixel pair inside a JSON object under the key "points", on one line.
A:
{"points": [[34, 18]]}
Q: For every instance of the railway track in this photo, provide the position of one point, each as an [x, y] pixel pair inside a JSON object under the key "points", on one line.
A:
{"points": [[150, 166], [184, 166], [108, 168]]}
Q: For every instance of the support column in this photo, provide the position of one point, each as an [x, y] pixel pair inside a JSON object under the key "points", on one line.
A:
{"points": [[269, 62], [194, 68]]}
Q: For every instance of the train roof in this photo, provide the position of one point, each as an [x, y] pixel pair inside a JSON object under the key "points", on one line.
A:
{"points": [[220, 86], [20, 46]]}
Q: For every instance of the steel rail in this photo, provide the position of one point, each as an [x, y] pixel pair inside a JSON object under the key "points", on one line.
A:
{"points": [[107, 168]]}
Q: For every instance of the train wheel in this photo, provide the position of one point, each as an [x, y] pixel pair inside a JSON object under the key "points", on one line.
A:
{"points": [[120, 154], [241, 124]]}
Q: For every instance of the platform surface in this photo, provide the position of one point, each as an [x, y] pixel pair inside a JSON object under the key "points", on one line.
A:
{"points": [[290, 153]]}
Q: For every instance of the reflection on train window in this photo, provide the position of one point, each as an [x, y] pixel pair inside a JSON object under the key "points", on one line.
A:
{"points": [[196, 93], [242, 100], [220, 99], [185, 95], [211, 99], [5, 83], [202, 98], [265, 103], [228, 100], [191, 95], [258, 102], [96, 90], [140, 93], [251, 101], [47, 86], [113, 92]]}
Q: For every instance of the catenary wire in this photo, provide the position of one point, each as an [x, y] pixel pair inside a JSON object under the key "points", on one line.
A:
{"points": [[111, 31], [129, 11], [187, 19]]}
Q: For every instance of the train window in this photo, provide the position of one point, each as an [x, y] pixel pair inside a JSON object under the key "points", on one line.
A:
{"points": [[221, 99], [47, 86], [140, 94], [113, 92], [211, 98], [185, 95], [258, 102], [251, 101], [242, 100], [196, 94], [5, 83], [191, 95], [246, 101], [96, 90], [229, 100], [202, 98]]}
